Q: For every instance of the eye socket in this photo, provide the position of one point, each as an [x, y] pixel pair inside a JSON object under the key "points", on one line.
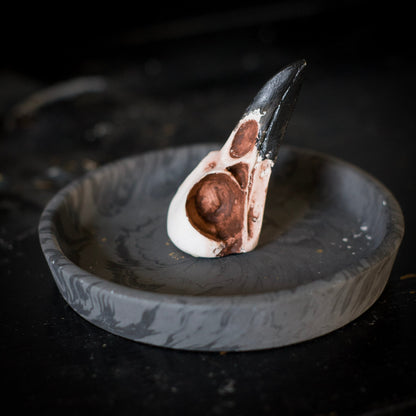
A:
{"points": [[244, 139], [215, 207], [240, 173]]}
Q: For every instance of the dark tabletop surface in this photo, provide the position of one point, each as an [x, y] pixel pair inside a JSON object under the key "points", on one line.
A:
{"points": [[78, 93]]}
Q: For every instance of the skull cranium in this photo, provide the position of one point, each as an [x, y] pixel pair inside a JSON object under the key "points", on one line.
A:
{"points": [[218, 209]]}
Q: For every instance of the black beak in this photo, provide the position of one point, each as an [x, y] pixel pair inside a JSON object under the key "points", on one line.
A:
{"points": [[276, 101]]}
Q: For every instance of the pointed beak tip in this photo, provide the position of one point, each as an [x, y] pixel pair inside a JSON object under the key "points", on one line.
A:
{"points": [[296, 69], [277, 100], [302, 64]]}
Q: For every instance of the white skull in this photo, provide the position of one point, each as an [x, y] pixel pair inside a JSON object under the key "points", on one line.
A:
{"points": [[218, 209]]}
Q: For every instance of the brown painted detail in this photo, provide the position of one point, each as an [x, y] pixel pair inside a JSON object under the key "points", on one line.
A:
{"points": [[244, 139], [232, 246], [251, 219], [250, 182], [212, 165], [250, 213], [215, 207], [240, 173]]}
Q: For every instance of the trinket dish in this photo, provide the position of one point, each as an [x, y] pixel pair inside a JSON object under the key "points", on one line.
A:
{"points": [[330, 236]]}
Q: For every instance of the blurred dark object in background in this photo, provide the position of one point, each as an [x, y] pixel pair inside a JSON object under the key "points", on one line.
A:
{"points": [[52, 43]]}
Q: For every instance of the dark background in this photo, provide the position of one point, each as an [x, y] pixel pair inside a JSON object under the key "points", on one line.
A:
{"points": [[161, 76]]}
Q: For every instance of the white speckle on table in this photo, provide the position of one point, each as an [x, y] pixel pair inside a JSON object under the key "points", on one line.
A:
{"points": [[345, 239], [384, 203], [363, 228]]}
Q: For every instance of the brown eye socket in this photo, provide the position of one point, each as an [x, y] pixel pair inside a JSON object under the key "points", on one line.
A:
{"points": [[240, 173], [244, 139], [215, 206]]}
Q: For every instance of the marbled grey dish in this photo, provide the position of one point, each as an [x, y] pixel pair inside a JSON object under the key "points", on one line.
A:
{"points": [[330, 236]]}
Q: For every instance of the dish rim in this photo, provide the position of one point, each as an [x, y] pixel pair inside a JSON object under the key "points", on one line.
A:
{"points": [[54, 254]]}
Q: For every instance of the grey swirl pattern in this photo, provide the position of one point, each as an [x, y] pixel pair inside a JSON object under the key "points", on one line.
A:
{"points": [[330, 237]]}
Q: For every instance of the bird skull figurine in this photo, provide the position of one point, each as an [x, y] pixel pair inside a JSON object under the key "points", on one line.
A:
{"points": [[218, 209]]}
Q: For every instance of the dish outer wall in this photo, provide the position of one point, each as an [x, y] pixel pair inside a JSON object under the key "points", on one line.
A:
{"points": [[222, 323]]}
